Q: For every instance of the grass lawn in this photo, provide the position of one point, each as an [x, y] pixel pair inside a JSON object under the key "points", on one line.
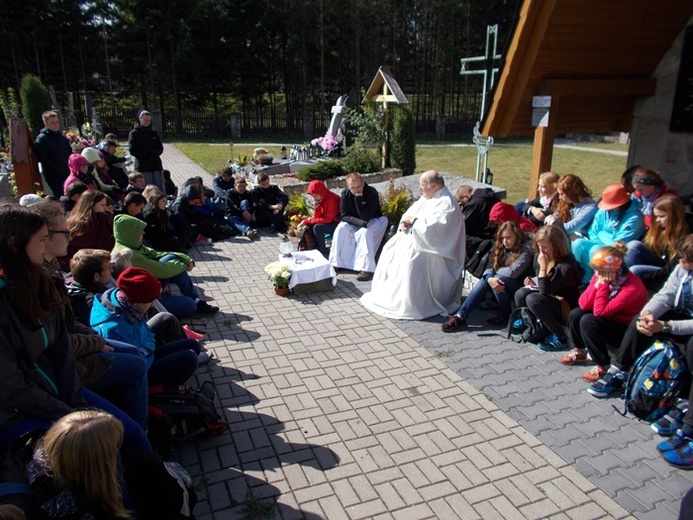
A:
{"points": [[510, 163]]}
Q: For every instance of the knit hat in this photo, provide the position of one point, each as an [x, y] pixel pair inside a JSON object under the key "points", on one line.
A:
{"points": [[604, 261], [614, 196], [139, 285], [91, 155]]}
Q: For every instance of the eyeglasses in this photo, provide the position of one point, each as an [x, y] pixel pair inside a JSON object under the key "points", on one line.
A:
{"points": [[61, 231]]}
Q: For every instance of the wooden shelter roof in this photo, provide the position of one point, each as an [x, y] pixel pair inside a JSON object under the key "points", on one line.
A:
{"points": [[392, 94], [594, 57]]}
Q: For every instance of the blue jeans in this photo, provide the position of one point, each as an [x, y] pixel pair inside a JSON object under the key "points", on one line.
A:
{"points": [[134, 436], [641, 255], [180, 306], [125, 382], [320, 230], [240, 223], [182, 280], [174, 363], [478, 293]]}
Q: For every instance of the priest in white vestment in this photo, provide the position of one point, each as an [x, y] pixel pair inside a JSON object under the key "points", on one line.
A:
{"points": [[419, 273]]}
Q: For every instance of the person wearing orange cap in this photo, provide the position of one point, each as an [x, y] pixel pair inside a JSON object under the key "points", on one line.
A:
{"points": [[618, 218], [612, 298]]}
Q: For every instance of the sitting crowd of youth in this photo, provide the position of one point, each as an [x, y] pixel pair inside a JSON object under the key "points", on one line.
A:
{"points": [[598, 277], [88, 323]]}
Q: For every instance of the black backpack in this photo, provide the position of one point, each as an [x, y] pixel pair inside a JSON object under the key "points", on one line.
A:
{"points": [[525, 327], [178, 413]]}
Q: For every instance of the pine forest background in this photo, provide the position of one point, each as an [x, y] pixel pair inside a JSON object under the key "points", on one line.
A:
{"points": [[275, 62]]}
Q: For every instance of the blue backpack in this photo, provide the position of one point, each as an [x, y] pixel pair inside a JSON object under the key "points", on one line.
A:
{"points": [[655, 381]]}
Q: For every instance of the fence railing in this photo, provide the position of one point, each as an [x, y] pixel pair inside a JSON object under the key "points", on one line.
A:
{"points": [[261, 123]]}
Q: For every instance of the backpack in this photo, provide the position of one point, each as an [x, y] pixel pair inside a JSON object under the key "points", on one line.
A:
{"points": [[477, 263], [178, 413], [655, 381], [525, 327]]}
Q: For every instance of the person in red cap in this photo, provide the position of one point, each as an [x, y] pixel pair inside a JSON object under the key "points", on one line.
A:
{"points": [[618, 218], [614, 296], [122, 314]]}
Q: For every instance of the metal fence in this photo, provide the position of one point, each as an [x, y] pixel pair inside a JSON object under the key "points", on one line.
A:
{"points": [[262, 123]]}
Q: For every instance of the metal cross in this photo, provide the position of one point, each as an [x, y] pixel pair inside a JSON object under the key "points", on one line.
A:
{"points": [[489, 69]]}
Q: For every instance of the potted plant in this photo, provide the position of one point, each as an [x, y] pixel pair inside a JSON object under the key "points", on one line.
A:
{"points": [[279, 274]]}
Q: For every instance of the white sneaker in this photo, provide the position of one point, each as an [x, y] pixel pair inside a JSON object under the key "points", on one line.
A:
{"points": [[203, 357]]}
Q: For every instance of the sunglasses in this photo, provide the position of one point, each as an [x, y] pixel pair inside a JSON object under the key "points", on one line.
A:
{"points": [[60, 231]]}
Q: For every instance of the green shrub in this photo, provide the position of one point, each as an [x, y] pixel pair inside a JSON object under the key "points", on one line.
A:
{"points": [[395, 201], [298, 206], [402, 140], [321, 170], [35, 101], [358, 159]]}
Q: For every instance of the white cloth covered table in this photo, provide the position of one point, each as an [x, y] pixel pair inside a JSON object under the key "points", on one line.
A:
{"points": [[308, 267]]}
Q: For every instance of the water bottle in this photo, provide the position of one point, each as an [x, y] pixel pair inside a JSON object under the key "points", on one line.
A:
{"points": [[328, 241]]}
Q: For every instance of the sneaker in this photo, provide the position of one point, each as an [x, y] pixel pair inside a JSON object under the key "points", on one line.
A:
{"points": [[364, 276], [594, 375], [671, 422], [453, 324], [681, 458], [500, 320], [203, 357], [206, 308], [189, 333], [574, 357], [251, 234], [201, 239], [553, 343], [673, 443], [610, 384]]}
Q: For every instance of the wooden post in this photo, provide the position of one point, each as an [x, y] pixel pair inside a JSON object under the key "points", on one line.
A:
{"points": [[383, 160], [542, 153]]}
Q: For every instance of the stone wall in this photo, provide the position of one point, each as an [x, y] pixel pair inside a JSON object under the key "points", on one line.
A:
{"points": [[340, 182], [652, 144]]}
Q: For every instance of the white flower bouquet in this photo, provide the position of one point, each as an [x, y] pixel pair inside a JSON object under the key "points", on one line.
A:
{"points": [[279, 274]]}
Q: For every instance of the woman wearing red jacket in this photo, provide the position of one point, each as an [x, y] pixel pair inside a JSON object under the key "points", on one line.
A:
{"points": [[606, 308], [326, 213]]}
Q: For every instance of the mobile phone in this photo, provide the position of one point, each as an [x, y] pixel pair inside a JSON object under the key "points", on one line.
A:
{"points": [[501, 282]]}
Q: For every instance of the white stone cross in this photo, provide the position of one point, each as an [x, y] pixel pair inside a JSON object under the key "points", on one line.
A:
{"points": [[336, 123]]}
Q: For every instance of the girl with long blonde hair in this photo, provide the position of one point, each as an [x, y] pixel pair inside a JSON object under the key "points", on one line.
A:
{"points": [[554, 292], [655, 257], [78, 456]]}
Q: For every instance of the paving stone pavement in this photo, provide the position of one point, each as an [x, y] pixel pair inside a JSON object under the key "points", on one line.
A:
{"points": [[335, 412]]}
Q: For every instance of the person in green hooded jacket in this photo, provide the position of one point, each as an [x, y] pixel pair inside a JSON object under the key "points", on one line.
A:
{"points": [[168, 267]]}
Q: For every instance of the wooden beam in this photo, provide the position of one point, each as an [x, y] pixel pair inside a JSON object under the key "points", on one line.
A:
{"points": [[598, 87], [542, 153], [518, 66]]}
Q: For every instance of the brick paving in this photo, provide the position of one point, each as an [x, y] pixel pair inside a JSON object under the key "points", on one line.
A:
{"points": [[338, 413]]}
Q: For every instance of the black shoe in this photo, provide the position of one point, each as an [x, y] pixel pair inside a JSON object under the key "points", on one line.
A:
{"points": [[364, 276], [206, 308]]}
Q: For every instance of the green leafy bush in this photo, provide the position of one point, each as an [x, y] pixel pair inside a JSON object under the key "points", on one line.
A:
{"points": [[403, 140], [35, 101], [298, 206], [395, 202], [358, 159], [321, 170]]}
